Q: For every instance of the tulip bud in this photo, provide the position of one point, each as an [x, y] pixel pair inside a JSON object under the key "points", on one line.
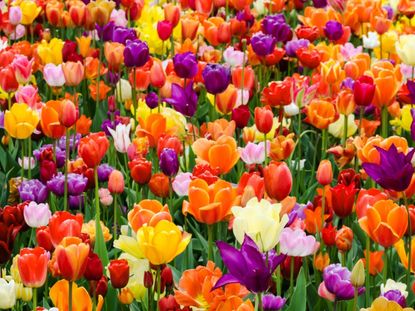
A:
{"points": [[286, 267], [112, 103], [344, 239], [321, 261], [94, 268], [125, 296], [167, 276], [159, 185], [168, 303], [164, 30], [116, 182], [329, 235], [99, 288], [263, 119], [69, 113], [241, 116], [358, 274], [119, 273], [148, 279], [324, 173], [43, 238], [278, 180]]}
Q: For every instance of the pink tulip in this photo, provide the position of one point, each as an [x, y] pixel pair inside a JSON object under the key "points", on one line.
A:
{"points": [[348, 50], [294, 242], [18, 33], [22, 68], [323, 292], [233, 57], [253, 153], [15, 15], [181, 184], [53, 75], [118, 17], [28, 94], [105, 197], [37, 215]]}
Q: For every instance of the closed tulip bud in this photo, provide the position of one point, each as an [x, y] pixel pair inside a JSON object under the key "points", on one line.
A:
{"points": [[167, 276], [344, 239], [263, 119], [172, 13], [157, 74], [278, 180], [159, 185], [69, 113], [8, 81], [140, 170], [358, 274], [168, 303], [148, 279], [329, 235], [119, 271], [164, 30], [241, 116], [324, 173], [321, 261], [94, 268], [125, 296], [116, 182]]}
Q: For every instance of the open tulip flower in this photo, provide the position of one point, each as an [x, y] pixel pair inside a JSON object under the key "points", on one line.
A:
{"points": [[215, 155]]}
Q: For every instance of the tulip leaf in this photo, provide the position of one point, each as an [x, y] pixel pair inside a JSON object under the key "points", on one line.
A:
{"points": [[298, 300]]}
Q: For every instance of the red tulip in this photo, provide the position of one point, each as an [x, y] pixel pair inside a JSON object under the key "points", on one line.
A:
{"points": [[94, 268], [342, 199], [329, 234], [116, 182], [140, 170], [119, 273], [364, 91], [241, 116], [164, 30], [8, 80], [69, 113], [324, 173], [92, 148], [278, 180], [33, 266], [263, 119], [44, 238], [63, 224]]}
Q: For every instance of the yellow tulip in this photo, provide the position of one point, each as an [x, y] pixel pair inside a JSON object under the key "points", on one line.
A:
{"points": [[404, 121], [162, 243], [30, 11], [51, 52], [20, 121], [337, 128], [405, 47], [382, 304], [128, 245], [84, 44]]}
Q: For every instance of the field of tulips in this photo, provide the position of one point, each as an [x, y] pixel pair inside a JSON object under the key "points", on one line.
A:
{"points": [[207, 155]]}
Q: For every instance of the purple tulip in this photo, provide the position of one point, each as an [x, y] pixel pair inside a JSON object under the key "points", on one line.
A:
{"points": [[122, 34], [248, 266], [57, 184], [247, 17], [76, 202], [276, 26], [76, 184], [348, 83], [395, 295], [184, 100], [292, 46], [152, 100], [336, 279], [169, 162], [72, 144], [272, 303], [185, 65], [104, 170], [112, 78], [1, 120], [394, 172], [33, 190], [333, 30], [411, 89], [389, 10], [262, 44], [136, 53], [105, 33], [216, 77]]}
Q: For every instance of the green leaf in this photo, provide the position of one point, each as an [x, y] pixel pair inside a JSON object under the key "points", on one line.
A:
{"points": [[298, 300]]}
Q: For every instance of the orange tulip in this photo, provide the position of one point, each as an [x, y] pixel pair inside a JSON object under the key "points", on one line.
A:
{"points": [[83, 125], [369, 153], [249, 77], [49, 120], [159, 185], [345, 102], [81, 301], [147, 212], [214, 130], [320, 113], [84, 45], [321, 261], [54, 12], [204, 7], [278, 180], [172, 13], [209, 204], [102, 88], [388, 82], [71, 258], [241, 4], [357, 66], [220, 154], [376, 262], [313, 221], [77, 11], [324, 174], [385, 222], [403, 256], [190, 25], [91, 68], [32, 264], [157, 74], [153, 127], [226, 100], [281, 147], [142, 78], [73, 72], [100, 11], [114, 54]]}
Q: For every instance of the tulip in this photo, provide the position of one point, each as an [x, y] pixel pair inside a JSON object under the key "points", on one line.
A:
{"points": [[140, 170], [147, 212], [8, 81], [404, 46], [333, 30], [320, 113], [69, 113], [263, 119], [73, 72], [136, 53], [15, 15], [53, 75], [343, 198], [254, 153], [278, 180], [94, 268], [185, 65], [273, 303], [51, 52], [364, 91], [20, 121], [33, 264], [71, 258], [241, 116], [37, 215], [294, 242], [63, 224], [184, 100], [262, 44], [162, 243], [30, 11], [22, 68], [358, 274], [92, 148], [159, 185], [116, 182], [261, 221], [324, 174], [277, 93], [169, 162], [216, 78], [7, 294], [119, 273], [344, 239], [164, 30], [121, 137]]}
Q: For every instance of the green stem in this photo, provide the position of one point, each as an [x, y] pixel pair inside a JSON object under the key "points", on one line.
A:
{"points": [[70, 296], [361, 114], [355, 304], [345, 129], [408, 272], [265, 150], [323, 208], [335, 305], [385, 116], [115, 217], [291, 276], [367, 271], [9, 100], [324, 144], [210, 242], [278, 274], [23, 155], [258, 302], [29, 172], [65, 197], [34, 299], [158, 278], [385, 265]]}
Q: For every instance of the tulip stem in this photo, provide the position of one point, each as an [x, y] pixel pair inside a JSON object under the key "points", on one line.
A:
{"points": [[134, 91], [258, 302], [34, 299], [385, 266], [291, 275], [361, 113], [265, 150], [345, 129], [408, 272], [323, 144], [355, 305], [323, 207], [335, 305], [29, 153], [158, 280], [70, 296], [367, 271], [115, 216], [65, 198], [210, 242], [384, 122]]}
